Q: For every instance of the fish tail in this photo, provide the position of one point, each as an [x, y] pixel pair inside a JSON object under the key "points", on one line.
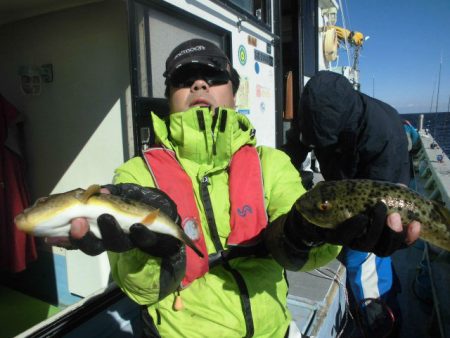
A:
{"points": [[181, 235], [443, 212], [186, 240]]}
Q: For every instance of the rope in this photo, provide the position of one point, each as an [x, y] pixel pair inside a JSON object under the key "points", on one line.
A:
{"points": [[348, 14], [347, 313], [335, 278], [433, 290], [343, 24]]}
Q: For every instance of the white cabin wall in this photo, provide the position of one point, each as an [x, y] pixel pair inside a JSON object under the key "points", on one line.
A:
{"points": [[73, 129], [76, 129]]}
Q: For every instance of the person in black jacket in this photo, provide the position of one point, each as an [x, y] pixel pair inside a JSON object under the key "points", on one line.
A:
{"points": [[355, 136]]}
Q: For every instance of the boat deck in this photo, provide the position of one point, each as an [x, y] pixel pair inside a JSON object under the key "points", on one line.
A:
{"points": [[317, 300], [424, 302], [424, 271], [432, 170]]}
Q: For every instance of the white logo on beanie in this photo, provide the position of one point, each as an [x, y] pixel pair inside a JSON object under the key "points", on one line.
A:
{"points": [[190, 50]]}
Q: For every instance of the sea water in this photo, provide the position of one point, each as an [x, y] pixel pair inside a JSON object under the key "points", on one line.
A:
{"points": [[438, 125]]}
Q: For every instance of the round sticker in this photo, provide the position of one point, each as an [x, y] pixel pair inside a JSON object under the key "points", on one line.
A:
{"points": [[257, 67], [190, 227], [242, 54]]}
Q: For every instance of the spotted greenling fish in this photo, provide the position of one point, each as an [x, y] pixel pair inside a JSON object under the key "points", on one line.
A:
{"points": [[50, 216], [330, 203]]}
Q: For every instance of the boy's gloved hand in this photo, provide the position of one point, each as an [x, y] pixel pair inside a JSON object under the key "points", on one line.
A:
{"points": [[114, 238], [364, 232]]}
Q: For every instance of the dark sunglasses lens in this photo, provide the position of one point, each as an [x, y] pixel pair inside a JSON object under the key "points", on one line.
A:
{"points": [[220, 78], [185, 78]]}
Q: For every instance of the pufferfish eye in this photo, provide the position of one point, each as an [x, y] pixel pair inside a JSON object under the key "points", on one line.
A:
{"points": [[324, 205]]}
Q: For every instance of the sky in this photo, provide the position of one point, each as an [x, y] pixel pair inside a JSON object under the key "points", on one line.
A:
{"points": [[400, 60]]}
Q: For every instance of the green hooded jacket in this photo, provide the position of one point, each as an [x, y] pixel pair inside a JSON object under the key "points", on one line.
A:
{"points": [[212, 303]]}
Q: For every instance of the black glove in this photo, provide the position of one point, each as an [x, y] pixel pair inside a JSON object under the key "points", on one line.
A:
{"points": [[363, 232], [114, 238]]}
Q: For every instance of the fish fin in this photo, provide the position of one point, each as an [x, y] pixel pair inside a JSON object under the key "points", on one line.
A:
{"points": [[40, 200], [89, 192], [150, 218]]}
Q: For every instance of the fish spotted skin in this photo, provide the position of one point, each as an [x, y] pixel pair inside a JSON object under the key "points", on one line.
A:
{"points": [[330, 203], [51, 216]]}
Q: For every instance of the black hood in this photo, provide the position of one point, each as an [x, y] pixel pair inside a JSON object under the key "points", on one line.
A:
{"points": [[355, 136], [328, 106]]}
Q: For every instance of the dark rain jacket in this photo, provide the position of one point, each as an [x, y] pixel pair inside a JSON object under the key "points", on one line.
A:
{"points": [[353, 135]]}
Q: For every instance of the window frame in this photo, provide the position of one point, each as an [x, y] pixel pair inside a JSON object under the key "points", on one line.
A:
{"points": [[265, 24]]}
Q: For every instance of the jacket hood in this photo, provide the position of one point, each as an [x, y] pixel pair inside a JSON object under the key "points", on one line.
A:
{"points": [[328, 106], [204, 139]]}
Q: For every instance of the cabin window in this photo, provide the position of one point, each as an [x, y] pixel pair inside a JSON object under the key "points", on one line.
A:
{"points": [[260, 10]]}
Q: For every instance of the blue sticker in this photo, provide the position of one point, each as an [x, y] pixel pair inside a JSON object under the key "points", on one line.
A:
{"points": [[257, 67], [244, 111]]}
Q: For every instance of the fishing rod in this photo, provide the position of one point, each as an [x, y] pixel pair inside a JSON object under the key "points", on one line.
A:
{"points": [[437, 97], [432, 96], [439, 84], [434, 144]]}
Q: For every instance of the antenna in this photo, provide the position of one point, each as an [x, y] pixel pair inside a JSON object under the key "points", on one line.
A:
{"points": [[439, 84], [432, 95]]}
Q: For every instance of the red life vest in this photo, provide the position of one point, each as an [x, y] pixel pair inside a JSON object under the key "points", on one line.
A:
{"points": [[248, 212]]}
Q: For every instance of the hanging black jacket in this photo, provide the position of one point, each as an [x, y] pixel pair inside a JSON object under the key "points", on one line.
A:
{"points": [[353, 135]]}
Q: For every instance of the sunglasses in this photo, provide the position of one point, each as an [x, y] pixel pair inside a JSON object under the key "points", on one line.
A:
{"points": [[184, 78]]}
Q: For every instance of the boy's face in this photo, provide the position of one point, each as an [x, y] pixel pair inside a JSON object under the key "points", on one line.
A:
{"points": [[200, 86]]}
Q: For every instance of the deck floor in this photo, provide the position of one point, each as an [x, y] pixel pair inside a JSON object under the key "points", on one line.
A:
{"points": [[19, 312], [416, 314]]}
